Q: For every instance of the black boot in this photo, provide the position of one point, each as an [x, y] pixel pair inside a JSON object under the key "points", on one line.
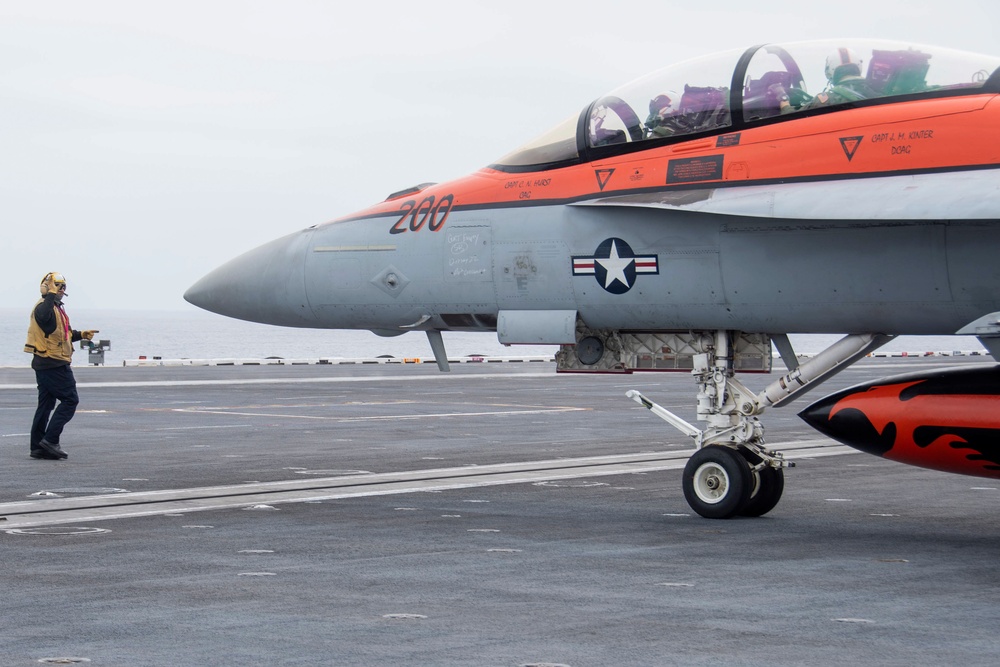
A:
{"points": [[52, 450]]}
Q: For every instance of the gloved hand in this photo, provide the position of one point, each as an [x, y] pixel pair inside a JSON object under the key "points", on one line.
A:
{"points": [[776, 90], [51, 283], [89, 334]]}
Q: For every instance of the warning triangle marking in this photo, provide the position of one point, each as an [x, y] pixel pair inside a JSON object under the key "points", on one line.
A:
{"points": [[603, 176], [850, 146]]}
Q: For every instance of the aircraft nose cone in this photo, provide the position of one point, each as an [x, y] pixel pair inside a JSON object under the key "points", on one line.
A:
{"points": [[264, 285]]}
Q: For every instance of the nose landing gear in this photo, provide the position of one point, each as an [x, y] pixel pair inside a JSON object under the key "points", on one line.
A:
{"points": [[732, 473]]}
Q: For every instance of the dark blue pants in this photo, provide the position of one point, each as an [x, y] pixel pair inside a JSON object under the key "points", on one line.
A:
{"points": [[54, 384]]}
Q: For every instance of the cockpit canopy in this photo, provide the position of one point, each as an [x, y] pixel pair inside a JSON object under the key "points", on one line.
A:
{"points": [[728, 91]]}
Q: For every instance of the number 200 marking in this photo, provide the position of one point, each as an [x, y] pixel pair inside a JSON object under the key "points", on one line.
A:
{"points": [[429, 211]]}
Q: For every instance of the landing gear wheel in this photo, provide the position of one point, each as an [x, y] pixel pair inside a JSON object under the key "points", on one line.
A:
{"points": [[717, 482], [767, 484]]}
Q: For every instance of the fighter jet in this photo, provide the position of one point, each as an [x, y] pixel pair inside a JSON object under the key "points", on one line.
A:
{"points": [[690, 220]]}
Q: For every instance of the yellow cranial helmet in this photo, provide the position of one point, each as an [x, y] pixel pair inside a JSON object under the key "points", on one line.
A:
{"points": [[53, 281]]}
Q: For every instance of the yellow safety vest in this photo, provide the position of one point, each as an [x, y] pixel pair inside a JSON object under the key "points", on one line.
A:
{"points": [[57, 345]]}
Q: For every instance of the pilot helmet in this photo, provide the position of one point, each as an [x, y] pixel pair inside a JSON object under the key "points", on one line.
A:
{"points": [[842, 62], [663, 105]]}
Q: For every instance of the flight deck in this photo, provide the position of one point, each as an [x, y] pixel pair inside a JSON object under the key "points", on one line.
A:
{"points": [[499, 514]]}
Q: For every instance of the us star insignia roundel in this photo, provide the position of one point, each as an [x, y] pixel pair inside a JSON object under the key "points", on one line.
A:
{"points": [[615, 265]]}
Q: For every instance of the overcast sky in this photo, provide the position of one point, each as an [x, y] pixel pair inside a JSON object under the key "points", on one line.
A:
{"points": [[145, 143]]}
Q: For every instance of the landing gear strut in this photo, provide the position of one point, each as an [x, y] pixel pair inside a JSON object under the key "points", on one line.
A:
{"points": [[732, 473]]}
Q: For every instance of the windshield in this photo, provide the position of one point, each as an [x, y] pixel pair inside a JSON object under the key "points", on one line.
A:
{"points": [[775, 80], [556, 145]]}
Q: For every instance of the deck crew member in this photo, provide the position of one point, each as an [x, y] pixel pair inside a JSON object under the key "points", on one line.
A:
{"points": [[50, 342]]}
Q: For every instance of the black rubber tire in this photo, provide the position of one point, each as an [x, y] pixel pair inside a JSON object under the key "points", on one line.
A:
{"points": [[717, 482], [767, 489]]}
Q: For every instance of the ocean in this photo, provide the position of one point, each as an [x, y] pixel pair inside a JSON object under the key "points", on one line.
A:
{"points": [[196, 334]]}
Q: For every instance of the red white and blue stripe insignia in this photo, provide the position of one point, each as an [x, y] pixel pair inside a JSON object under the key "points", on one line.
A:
{"points": [[615, 265]]}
